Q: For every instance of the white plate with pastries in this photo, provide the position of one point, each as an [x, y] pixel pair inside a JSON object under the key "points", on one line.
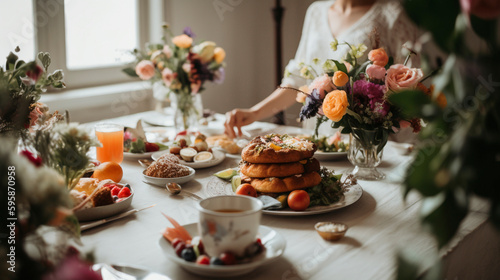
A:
{"points": [[218, 157], [89, 213]]}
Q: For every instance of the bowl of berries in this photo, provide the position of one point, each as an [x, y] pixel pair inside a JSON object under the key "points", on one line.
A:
{"points": [[191, 256]]}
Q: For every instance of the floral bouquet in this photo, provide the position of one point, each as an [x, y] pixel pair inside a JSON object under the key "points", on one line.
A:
{"points": [[355, 97], [21, 84], [182, 67]]}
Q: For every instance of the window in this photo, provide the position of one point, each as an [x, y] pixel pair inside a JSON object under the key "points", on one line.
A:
{"points": [[91, 40], [106, 39], [17, 29]]}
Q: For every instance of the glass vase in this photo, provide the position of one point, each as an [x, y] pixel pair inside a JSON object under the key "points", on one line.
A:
{"points": [[188, 110], [366, 148]]}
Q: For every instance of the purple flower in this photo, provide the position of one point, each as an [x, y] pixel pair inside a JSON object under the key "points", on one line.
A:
{"points": [[219, 76], [371, 90], [312, 105], [189, 32]]}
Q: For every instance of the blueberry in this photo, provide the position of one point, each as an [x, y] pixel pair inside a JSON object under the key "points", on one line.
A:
{"points": [[216, 261], [188, 254]]}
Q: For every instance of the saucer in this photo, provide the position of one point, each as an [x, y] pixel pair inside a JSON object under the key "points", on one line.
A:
{"points": [[275, 246]]}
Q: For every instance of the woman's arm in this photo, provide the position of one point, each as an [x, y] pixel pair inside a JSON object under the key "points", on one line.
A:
{"points": [[278, 101]]}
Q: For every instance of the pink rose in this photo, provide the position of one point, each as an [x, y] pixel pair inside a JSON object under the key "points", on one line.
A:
{"points": [[486, 9], [168, 76], [167, 51], [323, 83], [400, 77], [145, 69], [376, 72]]}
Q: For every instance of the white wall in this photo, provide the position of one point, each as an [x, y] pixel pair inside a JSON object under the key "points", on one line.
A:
{"points": [[245, 29]]}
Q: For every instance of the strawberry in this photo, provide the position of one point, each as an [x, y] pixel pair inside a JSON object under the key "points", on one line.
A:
{"points": [[151, 147], [124, 192], [116, 190]]}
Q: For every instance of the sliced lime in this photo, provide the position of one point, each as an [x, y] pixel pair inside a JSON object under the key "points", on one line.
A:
{"points": [[235, 182], [226, 174]]}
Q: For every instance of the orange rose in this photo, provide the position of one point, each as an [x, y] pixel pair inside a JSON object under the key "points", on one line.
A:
{"points": [[182, 41], [378, 57], [340, 78], [335, 105], [219, 55]]}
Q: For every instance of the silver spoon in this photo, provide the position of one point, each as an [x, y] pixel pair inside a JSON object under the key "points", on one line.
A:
{"points": [[145, 162], [176, 189]]}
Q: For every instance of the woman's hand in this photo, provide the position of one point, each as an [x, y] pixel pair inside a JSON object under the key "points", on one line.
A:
{"points": [[238, 118]]}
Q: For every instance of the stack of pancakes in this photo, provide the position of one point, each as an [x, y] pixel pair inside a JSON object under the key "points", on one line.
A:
{"points": [[279, 163]]}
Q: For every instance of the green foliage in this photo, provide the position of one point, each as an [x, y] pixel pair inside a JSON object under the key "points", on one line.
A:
{"points": [[21, 84], [460, 145], [436, 16]]}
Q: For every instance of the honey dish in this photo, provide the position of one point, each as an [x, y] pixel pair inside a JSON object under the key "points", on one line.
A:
{"points": [[331, 231]]}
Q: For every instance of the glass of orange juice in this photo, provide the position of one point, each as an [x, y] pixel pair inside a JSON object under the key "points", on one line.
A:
{"points": [[111, 137]]}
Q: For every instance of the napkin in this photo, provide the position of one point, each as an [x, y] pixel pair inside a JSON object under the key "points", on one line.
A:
{"points": [[269, 203]]}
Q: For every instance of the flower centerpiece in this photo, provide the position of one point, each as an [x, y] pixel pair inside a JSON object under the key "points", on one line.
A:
{"points": [[354, 96], [182, 67], [21, 84]]}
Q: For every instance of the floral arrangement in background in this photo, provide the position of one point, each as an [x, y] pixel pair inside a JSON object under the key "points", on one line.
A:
{"points": [[181, 65], [355, 95], [21, 84]]}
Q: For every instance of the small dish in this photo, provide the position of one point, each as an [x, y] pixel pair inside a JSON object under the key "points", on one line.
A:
{"points": [[104, 211], [164, 181], [331, 231], [219, 157], [274, 242]]}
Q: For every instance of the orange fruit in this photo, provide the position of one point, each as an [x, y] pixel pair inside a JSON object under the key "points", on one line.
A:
{"points": [[108, 170]]}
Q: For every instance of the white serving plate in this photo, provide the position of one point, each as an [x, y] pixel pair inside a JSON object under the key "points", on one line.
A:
{"points": [[164, 181], [219, 156], [275, 246], [101, 212], [218, 186]]}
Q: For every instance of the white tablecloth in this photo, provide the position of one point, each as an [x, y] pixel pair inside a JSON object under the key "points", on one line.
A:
{"points": [[380, 224]]}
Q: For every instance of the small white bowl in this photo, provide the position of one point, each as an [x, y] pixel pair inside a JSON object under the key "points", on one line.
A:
{"points": [[163, 181]]}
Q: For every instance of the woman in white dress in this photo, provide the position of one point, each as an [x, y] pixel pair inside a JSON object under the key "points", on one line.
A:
{"points": [[352, 21]]}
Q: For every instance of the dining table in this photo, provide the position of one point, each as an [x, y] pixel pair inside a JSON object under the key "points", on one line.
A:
{"points": [[382, 223]]}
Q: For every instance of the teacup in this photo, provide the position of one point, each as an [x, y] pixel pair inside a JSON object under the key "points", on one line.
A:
{"points": [[229, 223]]}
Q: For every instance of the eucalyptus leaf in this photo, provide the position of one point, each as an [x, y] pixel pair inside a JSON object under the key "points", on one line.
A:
{"points": [[44, 57]]}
